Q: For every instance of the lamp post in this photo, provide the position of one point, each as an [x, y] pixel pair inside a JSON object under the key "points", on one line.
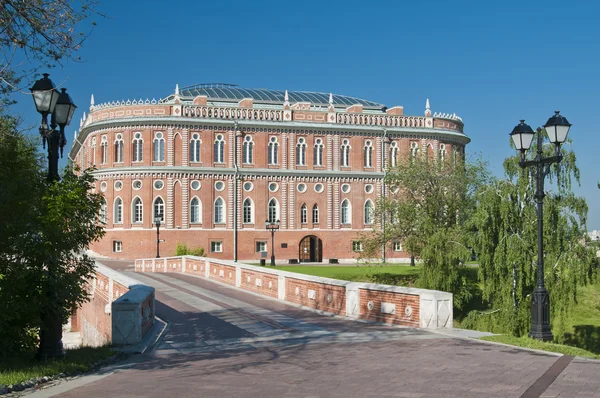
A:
{"points": [[272, 226], [47, 101], [157, 220], [557, 129]]}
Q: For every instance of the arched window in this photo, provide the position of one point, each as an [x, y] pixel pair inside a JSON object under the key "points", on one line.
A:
{"points": [[195, 211], [346, 219], [137, 210], [219, 148], [248, 216], [315, 214], [138, 147], [219, 211], [103, 217], [318, 153], [119, 148], [368, 154], [345, 153], [159, 147], [301, 152], [159, 209], [104, 149], [195, 148], [303, 214], [442, 154], [247, 150], [118, 211], [93, 151], [369, 212], [414, 150], [272, 155], [393, 154], [273, 214]]}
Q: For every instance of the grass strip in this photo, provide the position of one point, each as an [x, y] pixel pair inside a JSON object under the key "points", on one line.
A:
{"points": [[527, 342], [19, 369]]}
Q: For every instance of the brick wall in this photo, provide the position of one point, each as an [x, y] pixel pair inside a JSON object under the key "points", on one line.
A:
{"points": [[379, 303]]}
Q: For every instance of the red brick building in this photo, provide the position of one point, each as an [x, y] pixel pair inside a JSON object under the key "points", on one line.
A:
{"points": [[218, 160]]}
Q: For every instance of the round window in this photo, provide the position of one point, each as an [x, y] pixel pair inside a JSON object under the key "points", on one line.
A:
{"points": [[368, 188], [318, 188], [195, 185], [248, 186], [158, 185], [118, 185], [103, 186], [219, 185], [273, 187], [346, 188], [137, 184], [301, 187]]}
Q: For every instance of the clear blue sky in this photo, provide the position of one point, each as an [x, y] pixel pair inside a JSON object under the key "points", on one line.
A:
{"points": [[490, 62]]}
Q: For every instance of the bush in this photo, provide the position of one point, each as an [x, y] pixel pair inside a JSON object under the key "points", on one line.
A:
{"points": [[183, 250]]}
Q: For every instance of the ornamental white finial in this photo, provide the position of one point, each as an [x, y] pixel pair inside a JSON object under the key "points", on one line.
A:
{"points": [[92, 101], [176, 89], [427, 108], [286, 99], [330, 99]]}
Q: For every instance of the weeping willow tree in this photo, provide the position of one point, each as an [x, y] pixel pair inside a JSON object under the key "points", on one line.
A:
{"points": [[426, 210], [505, 240]]}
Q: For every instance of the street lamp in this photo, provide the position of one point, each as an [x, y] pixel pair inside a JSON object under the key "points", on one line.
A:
{"points": [[557, 129], [272, 226], [47, 101], [60, 105], [157, 220]]}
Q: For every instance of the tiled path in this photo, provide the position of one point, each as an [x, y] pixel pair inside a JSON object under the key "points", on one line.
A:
{"points": [[222, 342]]}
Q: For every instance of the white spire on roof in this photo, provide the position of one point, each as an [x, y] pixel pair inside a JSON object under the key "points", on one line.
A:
{"points": [[176, 89], [286, 99], [330, 99], [92, 100], [427, 104], [427, 108]]}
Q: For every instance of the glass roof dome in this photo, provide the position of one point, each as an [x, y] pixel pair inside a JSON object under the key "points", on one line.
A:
{"points": [[229, 92]]}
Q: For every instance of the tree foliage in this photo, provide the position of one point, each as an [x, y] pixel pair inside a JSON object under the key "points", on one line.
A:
{"points": [[46, 227], [505, 221], [427, 214], [38, 34]]}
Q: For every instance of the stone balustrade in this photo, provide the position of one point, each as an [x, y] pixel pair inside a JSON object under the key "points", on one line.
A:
{"points": [[367, 301]]}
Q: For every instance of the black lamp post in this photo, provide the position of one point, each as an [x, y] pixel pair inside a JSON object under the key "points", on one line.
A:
{"points": [[157, 220], [557, 129], [49, 101], [272, 226]]}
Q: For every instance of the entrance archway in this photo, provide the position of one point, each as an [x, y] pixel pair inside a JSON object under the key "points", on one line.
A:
{"points": [[310, 249]]}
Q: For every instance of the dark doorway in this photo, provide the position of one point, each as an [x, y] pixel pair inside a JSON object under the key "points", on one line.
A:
{"points": [[311, 250]]}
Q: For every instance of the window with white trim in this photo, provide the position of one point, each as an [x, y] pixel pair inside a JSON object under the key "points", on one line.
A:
{"points": [[369, 218], [117, 246], [159, 208], [442, 151], [219, 149], [345, 153], [397, 246], [119, 148], [357, 246], [195, 211], [216, 246], [103, 215], [248, 216], [303, 214], [301, 152], [272, 148], [368, 154], [261, 246], [318, 152], [273, 212], [219, 211], [345, 213], [393, 154], [138, 147], [137, 208], [93, 151], [247, 150], [315, 214], [104, 149], [159, 147], [195, 148], [414, 150], [118, 211]]}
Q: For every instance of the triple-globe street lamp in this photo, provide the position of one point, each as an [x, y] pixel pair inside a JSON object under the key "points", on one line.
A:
{"points": [[557, 129], [272, 226], [49, 101]]}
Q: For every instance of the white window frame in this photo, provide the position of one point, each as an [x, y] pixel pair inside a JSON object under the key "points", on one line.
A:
{"points": [[303, 214], [315, 214], [93, 151], [221, 211], [261, 244], [134, 210], [301, 152], [368, 154], [345, 153], [318, 152], [159, 146], [394, 154], [248, 150], [397, 246], [346, 215], [104, 150], [273, 148], [357, 246], [414, 149], [138, 147], [195, 145], [273, 210], [219, 149], [117, 246], [119, 144], [118, 210], [216, 246], [369, 208], [248, 211], [103, 211], [197, 212], [158, 206]]}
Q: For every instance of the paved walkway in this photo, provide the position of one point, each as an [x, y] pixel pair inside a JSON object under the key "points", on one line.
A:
{"points": [[222, 342]]}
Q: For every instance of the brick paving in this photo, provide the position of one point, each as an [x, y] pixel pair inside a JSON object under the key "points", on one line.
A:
{"points": [[223, 342]]}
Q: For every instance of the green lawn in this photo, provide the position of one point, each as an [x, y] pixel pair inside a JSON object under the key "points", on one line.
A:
{"points": [[19, 369], [540, 345], [583, 323], [403, 275]]}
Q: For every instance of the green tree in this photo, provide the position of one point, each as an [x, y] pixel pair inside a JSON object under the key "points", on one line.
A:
{"points": [[505, 222], [46, 228], [427, 214]]}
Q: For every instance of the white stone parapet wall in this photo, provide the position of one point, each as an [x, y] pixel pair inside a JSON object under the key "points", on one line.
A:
{"points": [[398, 305]]}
